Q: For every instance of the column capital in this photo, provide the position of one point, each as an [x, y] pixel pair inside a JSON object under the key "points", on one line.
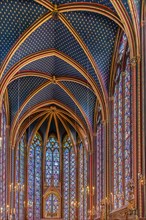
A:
{"points": [[134, 60]]}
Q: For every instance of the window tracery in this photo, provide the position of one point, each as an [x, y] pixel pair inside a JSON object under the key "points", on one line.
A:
{"points": [[52, 164], [69, 179], [20, 180], [34, 188], [100, 166], [52, 205], [34, 178], [82, 178], [122, 155], [3, 165]]}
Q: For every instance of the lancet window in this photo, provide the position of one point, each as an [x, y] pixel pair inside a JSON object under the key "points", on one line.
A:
{"points": [[122, 145], [20, 179], [69, 179], [52, 163], [3, 166], [100, 165], [34, 181]]}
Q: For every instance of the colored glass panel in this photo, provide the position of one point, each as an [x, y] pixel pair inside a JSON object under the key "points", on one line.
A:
{"points": [[3, 166], [52, 164], [52, 205], [34, 179], [100, 167], [69, 180], [128, 150], [81, 182], [20, 180], [122, 151]]}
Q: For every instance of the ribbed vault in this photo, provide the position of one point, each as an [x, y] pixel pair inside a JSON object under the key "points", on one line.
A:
{"points": [[61, 52]]}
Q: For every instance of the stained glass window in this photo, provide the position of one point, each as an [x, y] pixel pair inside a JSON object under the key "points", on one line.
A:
{"points": [[122, 155], [34, 178], [3, 166], [85, 185], [52, 165], [20, 180], [69, 180], [128, 128], [100, 166], [52, 205], [82, 181], [51, 183]]}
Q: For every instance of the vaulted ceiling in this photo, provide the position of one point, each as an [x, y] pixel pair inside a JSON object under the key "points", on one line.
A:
{"points": [[58, 53]]}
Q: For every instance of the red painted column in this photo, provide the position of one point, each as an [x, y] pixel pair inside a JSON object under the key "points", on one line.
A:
{"points": [[91, 184]]}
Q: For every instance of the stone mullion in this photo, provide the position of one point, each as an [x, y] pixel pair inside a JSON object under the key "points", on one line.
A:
{"points": [[69, 182], [83, 180], [34, 148], [111, 144], [91, 184], [136, 152], [123, 134], [25, 177], [88, 181], [12, 182], [43, 174], [143, 84], [62, 181], [27, 156], [1, 183], [77, 180], [61, 175], [95, 169], [117, 151], [8, 169], [18, 148], [120, 120], [140, 156]]}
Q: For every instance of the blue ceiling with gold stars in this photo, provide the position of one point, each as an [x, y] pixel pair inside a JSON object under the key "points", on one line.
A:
{"points": [[16, 17], [96, 31]]}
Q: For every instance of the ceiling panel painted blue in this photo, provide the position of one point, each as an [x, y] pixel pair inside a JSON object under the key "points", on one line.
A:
{"points": [[53, 66], [99, 33], [18, 91], [53, 34], [41, 39], [16, 17], [43, 128], [85, 97], [102, 2], [56, 93]]}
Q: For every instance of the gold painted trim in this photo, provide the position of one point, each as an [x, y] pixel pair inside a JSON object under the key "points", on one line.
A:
{"points": [[22, 74], [128, 27], [114, 63], [74, 125], [57, 128], [68, 131], [47, 53], [35, 130], [35, 108], [80, 108], [24, 36], [23, 129], [135, 15], [86, 51], [26, 102]]}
